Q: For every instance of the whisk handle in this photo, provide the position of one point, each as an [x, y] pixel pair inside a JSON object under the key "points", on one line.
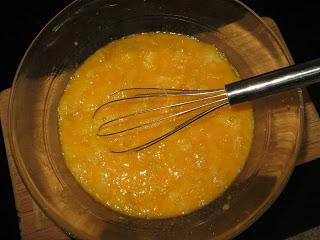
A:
{"points": [[274, 82]]}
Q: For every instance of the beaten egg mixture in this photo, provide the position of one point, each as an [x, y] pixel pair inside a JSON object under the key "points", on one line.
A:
{"points": [[181, 173]]}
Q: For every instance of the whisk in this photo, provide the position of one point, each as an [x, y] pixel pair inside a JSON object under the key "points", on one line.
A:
{"points": [[205, 101]]}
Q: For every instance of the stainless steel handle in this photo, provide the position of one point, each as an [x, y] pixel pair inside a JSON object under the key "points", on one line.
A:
{"points": [[274, 82]]}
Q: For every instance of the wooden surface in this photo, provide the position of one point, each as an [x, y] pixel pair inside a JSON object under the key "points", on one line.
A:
{"points": [[35, 225], [310, 148]]}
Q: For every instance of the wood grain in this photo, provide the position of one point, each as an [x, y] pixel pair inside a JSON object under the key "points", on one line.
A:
{"points": [[35, 225]]}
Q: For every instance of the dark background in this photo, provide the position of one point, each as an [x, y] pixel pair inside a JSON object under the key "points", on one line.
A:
{"points": [[298, 207]]}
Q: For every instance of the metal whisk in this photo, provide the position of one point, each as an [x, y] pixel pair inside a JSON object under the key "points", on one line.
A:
{"points": [[202, 102]]}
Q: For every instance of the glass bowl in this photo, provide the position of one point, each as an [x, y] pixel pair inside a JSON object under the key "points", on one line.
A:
{"points": [[87, 25]]}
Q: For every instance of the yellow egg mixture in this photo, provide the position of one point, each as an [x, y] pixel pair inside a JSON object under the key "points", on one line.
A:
{"points": [[183, 172]]}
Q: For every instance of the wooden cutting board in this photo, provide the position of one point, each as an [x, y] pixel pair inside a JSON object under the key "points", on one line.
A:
{"points": [[35, 225]]}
